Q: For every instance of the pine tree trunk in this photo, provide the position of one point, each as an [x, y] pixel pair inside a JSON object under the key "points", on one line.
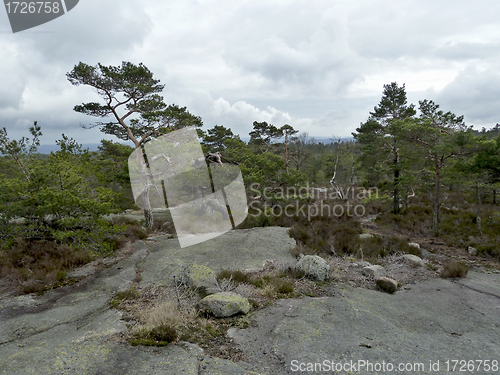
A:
{"points": [[286, 152], [435, 211], [478, 218], [148, 213], [396, 184]]}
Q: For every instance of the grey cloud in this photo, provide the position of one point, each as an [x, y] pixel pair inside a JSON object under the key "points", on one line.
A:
{"points": [[309, 54], [474, 94], [394, 29], [318, 65], [468, 51]]}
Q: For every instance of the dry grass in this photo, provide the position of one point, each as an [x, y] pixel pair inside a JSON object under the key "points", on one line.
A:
{"points": [[162, 313], [454, 269]]}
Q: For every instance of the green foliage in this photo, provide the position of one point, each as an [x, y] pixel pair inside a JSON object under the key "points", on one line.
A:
{"points": [[381, 138], [59, 199], [132, 89], [236, 276], [112, 171], [158, 336], [488, 160], [23, 150], [416, 219], [60, 187], [263, 135], [216, 139], [275, 284], [130, 93]]}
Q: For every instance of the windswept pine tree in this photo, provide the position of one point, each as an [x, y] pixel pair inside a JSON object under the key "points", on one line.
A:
{"points": [[131, 107]]}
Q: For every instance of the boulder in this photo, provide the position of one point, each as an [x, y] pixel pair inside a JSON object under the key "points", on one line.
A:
{"points": [[387, 285], [412, 260], [472, 251], [314, 267], [197, 276], [224, 304], [375, 271]]}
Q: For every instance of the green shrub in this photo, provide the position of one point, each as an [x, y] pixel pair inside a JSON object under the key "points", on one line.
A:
{"points": [[278, 284], [157, 336], [236, 276], [284, 286]]}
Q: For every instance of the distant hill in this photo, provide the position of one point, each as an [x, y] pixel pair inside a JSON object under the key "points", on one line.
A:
{"points": [[492, 133], [47, 149]]}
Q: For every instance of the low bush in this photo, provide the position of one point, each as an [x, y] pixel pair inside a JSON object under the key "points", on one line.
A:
{"points": [[274, 284], [415, 220], [236, 276], [158, 336], [328, 235], [380, 247], [454, 269], [38, 265]]}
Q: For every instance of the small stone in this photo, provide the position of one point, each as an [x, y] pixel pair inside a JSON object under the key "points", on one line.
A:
{"points": [[362, 263], [190, 347], [198, 276], [314, 266], [472, 251], [414, 244], [424, 253], [387, 285], [376, 271], [224, 304], [413, 260], [365, 236]]}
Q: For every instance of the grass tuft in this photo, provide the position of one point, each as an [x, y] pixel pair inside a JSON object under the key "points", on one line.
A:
{"points": [[454, 269]]}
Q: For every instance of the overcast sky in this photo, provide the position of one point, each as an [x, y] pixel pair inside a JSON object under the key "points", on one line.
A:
{"points": [[319, 66]]}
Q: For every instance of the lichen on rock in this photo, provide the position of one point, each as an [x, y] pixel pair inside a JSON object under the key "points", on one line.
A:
{"points": [[224, 304]]}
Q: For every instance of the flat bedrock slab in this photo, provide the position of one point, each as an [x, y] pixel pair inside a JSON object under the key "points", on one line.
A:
{"points": [[436, 320], [237, 250]]}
